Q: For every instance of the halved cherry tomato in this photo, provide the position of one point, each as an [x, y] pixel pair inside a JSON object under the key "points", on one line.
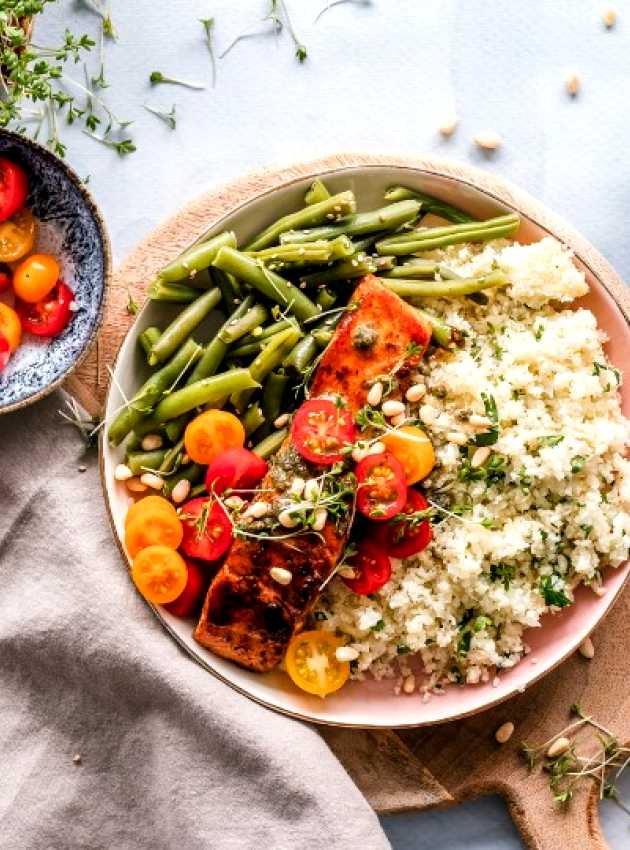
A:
{"points": [[154, 526], [5, 351], [6, 277], [211, 433], [238, 469], [372, 569], [13, 188], [404, 539], [321, 430], [412, 447], [50, 316], [189, 601], [159, 573], [10, 326], [149, 503], [207, 529], [17, 236], [35, 277], [382, 490], [312, 664]]}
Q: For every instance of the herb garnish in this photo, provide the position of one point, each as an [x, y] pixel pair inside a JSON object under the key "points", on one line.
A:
{"points": [[490, 437], [132, 306], [577, 464], [599, 367], [502, 572], [551, 441], [552, 590]]}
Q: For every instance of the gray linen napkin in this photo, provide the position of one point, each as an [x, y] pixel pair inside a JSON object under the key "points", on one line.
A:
{"points": [[169, 756]]}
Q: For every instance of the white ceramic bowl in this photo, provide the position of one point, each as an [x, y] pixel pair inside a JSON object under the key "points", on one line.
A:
{"points": [[369, 703]]}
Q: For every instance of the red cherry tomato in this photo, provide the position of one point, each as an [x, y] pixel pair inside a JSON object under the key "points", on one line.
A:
{"points": [[207, 529], [404, 539], [321, 430], [237, 469], [5, 351], [6, 277], [49, 316], [189, 601], [382, 487], [13, 188], [372, 569]]}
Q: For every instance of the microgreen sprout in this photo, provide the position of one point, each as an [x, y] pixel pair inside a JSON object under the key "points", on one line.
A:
{"points": [[208, 26], [132, 305], [105, 14], [332, 5], [87, 426], [157, 77], [169, 118], [122, 146]]}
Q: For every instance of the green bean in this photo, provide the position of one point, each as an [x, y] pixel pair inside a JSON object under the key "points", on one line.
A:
{"points": [[183, 325], [271, 356], [252, 419], [152, 390], [316, 193], [204, 392], [147, 425], [273, 393], [438, 237], [330, 209], [239, 327], [193, 473], [230, 290], [442, 334], [196, 258], [309, 253], [270, 330], [139, 462], [414, 269], [429, 204], [368, 241], [215, 350], [323, 332], [302, 355], [134, 443], [148, 338], [269, 283], [175, 427], [173, 458], [197, 490], [445, 288], [349, 269], [248, 349], [177, 293], [390, 217], [270, 445], [322, 337], [326, 298]]}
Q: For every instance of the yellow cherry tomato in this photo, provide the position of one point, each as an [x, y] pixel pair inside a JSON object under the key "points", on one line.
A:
{"points": [[159, 573], [10, 326], [153, 526], [312, 664], [17, 236], [149, 503], [414, 450], [211, 433], [35, 277]]}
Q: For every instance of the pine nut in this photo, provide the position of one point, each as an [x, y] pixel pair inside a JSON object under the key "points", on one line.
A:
{"points": [[234, 502], [376, 448], [478, 421], [76, 758], [488, 140], [358, 454], [297, 486], [480, 457], [457, 437], [448, 125], [392, 408], [559, 746], [122, 472], [151, 442], [320, 517], [587, 650], [257, 510], [609, 18], [346, 653], [134, 485], [311, 490], [152, 481], [286, 519], [504, 733], [281, 575], [573, 83], [347, 572], [428, 414], [281, 421], [375, 394], [415, 392], [398, 421], [409, 684], [180, 491]]}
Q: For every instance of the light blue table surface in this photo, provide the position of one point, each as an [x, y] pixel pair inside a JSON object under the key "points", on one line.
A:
{"points": [[380, 77]]}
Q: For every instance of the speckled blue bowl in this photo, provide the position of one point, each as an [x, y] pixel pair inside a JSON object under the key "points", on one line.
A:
{"points": [[71, 228]]}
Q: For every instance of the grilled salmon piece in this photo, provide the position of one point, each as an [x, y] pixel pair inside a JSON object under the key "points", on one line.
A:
{"points": [[247, 616]]}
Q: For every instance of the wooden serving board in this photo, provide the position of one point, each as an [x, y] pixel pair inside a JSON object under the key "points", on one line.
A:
{"points": [[442, 765]]}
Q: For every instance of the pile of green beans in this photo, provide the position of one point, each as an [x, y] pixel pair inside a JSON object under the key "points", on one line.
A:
{"points": [[281, 295]]}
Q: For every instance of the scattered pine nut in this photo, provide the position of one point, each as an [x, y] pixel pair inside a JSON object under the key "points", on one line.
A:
{"points": [[409, 684], [358, 454], [81, 468], [281, 575], [488, 140], [398, 421], [609, 17], [428, 414], [587, 649], [448, 125], [375, 394], [320, 517], [415, 392], [457, 437], [311, 490], [478, 421], [496, 682], [392, 408], [257, 510], [347, 572], [504, 733], [346, 653], [281, 421], [76, 758], [135, 485], [573, 83], [122, 472], [297, 486], [376, 448], [287, 520], [480, 456], [558, 747], [151, 480], [180, 491], [234, 502], [151, 442]]}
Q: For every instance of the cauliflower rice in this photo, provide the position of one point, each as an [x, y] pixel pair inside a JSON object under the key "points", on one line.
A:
{"points": [[547, 509]]}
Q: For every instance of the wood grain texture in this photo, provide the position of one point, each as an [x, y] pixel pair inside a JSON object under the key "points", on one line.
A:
{"points": [[464, 759]]}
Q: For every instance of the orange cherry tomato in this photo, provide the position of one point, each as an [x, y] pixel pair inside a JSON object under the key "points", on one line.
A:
{"points": [[211, 433], [149, 503], [153, 527], [34, 278], [312, 664], [10, 326], [17, 236], [413, 449], [159, 573]]}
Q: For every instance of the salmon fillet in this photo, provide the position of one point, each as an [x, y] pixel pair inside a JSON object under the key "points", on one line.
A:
{"points": [[247, 616]]}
